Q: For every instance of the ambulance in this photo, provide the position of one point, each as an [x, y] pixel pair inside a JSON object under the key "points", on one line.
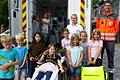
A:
{"points": [[21, 14]]}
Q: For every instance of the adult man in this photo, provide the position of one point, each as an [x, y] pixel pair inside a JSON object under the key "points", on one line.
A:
{"points": [[74, 27], [107, 23]]}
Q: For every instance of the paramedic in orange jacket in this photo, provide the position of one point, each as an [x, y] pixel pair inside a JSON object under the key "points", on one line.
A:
{"points": [[107, 23]]}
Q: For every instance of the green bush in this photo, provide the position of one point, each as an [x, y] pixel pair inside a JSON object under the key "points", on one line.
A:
{"points": [[4, 12]]}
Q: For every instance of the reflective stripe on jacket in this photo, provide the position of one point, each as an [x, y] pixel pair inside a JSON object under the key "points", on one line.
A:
{"points": [[108, 26]]}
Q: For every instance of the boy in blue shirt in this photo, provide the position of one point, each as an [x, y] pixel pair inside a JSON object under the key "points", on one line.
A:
{"points": [[22, 51], [8, 59]]}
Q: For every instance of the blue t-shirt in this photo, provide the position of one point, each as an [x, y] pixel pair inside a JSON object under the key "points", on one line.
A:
{"points": [[8, 56], [75, 53], [22, 52], [36, 26]]}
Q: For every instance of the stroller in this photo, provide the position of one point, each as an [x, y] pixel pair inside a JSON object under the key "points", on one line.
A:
{"points": [[54, 69], [44, 67]]}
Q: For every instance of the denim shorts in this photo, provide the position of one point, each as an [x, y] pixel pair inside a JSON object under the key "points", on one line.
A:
{"points": [[75, 71], [21, 73]]}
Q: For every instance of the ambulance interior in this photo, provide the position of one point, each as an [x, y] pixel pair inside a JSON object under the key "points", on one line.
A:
{"points": [[58, 9]]}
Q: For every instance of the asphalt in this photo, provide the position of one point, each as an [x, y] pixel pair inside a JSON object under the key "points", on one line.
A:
{"points": [[116, 62]]}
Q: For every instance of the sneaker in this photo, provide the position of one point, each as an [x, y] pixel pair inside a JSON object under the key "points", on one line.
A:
{"points": [[110, 70]]}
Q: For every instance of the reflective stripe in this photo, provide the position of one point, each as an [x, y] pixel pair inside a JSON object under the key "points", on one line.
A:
{"points": [[108, 38], [110, 70], [108, 34]]}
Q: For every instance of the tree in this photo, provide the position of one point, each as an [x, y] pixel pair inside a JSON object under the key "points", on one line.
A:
{"points": [[4, 13]]}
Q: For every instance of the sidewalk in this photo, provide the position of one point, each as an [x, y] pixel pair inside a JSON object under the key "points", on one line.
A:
{"points": [[117, 62]]}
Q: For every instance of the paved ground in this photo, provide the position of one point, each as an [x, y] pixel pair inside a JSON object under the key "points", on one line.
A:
{"points": [[117, 62]]}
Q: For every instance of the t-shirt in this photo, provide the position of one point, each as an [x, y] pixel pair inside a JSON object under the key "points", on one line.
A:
{"points": [[94, 47], [36, 49], [45, 25], [6, 57], [75, 53], [36, 26], [85, 46], [74, 29], [54, 58], [22, 52], [65, 42]]}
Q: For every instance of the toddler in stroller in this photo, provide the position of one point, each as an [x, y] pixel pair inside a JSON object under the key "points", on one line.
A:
{"points": [[50, 66]]}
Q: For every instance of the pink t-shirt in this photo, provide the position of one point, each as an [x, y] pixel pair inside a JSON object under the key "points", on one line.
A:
{"points": [[65, 42], [94, 47]]}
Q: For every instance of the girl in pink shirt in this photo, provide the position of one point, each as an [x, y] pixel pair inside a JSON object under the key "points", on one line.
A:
{"points": [[65, 42], [95, 45]]}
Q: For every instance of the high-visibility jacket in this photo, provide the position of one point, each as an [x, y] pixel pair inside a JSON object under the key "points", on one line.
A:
{"points": [[108, 26]]}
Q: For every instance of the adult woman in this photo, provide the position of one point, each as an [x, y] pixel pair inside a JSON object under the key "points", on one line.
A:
{"points": [[74, 27]]}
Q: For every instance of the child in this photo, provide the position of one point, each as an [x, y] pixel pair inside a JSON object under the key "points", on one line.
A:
{"points": [[75, 57], [45, 28], [65, 41], [8, 59], [84, 44], [22, 51], [94, 48], [50, 62], [36, 48]]}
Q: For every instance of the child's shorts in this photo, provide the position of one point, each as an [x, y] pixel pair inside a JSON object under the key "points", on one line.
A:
{"points": [[75, 71], [21, 73]]}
